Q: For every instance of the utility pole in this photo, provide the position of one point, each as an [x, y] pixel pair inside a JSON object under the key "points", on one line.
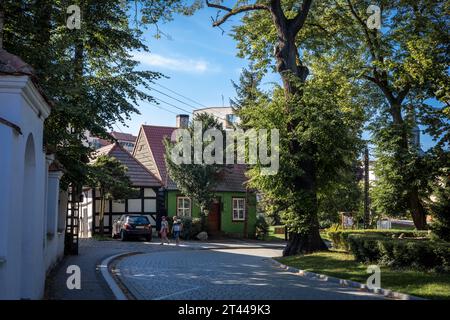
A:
{"points": [[366, 189]]}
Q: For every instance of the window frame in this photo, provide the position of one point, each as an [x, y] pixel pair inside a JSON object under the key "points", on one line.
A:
{"points": [[183, 208], [234, 209]]}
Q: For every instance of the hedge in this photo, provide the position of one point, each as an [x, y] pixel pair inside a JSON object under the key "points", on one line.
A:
{"points": [[339, 238], [400, 253]]}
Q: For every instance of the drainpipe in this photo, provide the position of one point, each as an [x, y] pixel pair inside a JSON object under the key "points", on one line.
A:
{"points": [[246, 214]]}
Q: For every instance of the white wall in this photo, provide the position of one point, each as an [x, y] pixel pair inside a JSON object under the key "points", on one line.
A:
{"points": [[23, 198], [53, 238]]}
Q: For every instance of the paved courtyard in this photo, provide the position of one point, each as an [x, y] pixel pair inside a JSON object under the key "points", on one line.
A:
{"points": [[231, 273]]}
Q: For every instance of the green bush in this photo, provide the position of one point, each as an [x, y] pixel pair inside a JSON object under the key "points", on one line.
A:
{"points": [[262, 227], [400, 253], [339, 238], [364, 248], [191, 227]]}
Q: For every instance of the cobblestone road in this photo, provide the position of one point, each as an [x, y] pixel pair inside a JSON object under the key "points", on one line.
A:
{"points": [[221, 274], [93, 252]]}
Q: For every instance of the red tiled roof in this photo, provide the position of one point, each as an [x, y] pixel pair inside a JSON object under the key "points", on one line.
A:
{"points": [[155, 136], [232, 179], [138, 174], [123, 136], [12, 64]]}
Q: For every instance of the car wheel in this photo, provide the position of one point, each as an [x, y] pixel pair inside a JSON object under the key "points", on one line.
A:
{"points": [[148, 238], [123, 236]]}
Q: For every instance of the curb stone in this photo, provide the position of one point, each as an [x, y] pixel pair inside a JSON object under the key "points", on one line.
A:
{"points": [[106, 268], [344, 283]]}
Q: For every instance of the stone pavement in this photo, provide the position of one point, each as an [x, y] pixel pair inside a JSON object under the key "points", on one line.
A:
{"points": [[226, 273], [93, 252]]}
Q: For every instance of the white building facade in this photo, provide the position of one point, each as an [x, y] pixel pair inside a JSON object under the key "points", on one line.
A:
{"points": [[224, 115], [31, 230]]}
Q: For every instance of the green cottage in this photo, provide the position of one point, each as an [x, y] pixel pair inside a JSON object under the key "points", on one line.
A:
{"points": [[233, 211]]}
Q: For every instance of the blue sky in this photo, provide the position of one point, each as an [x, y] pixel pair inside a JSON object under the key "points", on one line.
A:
{"points": [[200, 63]]}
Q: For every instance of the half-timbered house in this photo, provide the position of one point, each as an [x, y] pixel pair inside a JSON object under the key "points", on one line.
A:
{"points": [[146, 184]]}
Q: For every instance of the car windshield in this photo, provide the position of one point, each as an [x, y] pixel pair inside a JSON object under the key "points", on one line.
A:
{"points": [[138, 220]]}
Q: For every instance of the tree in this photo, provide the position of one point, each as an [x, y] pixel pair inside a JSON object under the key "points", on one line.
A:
{"points": [[196, 181], [406, 63], [288, 19], [87, 73], [330, 119], [440, 207], [247, 91], [110, 177], [271, 35], [343, 194]]}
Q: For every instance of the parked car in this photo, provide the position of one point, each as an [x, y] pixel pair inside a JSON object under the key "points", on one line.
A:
{"points": [[132, 226]]}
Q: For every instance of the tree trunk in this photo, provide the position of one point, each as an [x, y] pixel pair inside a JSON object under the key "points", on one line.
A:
{"points": [[304, 243], [366, 189], [43, 14], [415, 206], [417, 210], [292, 71]]}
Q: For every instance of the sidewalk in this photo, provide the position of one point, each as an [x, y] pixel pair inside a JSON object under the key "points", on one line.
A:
{"points": [[93, 286]]}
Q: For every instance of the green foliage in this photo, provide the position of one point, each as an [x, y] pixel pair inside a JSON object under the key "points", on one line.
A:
{"points": [[441, 209], [191, 227], [110, 176], [404, 65], [401, 253], [329, 121], [340, 237], [89, 73], [262, 227], [247, 92], [196, 181]]}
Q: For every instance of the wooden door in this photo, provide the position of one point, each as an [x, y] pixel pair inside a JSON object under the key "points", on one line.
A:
{"points": [[214, 218]]}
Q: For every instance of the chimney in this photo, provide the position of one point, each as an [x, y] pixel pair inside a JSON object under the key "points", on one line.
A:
{"points": [[182, 121]]}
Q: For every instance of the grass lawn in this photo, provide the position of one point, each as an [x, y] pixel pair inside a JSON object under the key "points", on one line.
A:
{"points": [[272, 236], [342, 265], [324, 235]]}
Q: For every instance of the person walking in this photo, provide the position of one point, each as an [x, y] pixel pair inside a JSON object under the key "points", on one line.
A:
{"points": [[164, 230], [176, 229]]}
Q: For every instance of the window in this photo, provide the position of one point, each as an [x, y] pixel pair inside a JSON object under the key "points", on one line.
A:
{"points": [[183, 207], [238, 209], [232, 119], [138, 220]]}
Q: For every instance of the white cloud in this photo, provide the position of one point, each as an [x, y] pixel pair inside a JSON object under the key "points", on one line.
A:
{"points": [[175, 63]]}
